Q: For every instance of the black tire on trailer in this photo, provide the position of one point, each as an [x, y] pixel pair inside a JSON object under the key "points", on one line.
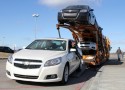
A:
{"points": [[60, 22]]}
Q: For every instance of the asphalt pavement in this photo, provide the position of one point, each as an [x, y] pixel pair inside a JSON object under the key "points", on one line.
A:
{"points": [[111, 76]]}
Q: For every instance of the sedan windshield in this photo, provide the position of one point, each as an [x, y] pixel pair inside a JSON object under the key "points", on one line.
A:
{"points": [[56, 45]]}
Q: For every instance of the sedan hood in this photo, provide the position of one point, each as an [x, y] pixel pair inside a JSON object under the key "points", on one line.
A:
{"points": [[38, 54]]}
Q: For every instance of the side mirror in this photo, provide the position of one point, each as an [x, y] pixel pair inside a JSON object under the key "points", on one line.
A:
{"points": [[23, 47], [91, 9], [72, 49]]}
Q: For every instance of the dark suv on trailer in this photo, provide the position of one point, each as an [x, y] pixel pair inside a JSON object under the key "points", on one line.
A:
{"points": [[6, 49], [82, 14]]}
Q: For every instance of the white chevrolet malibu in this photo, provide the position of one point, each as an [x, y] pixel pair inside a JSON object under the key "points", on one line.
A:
{"points": [[45, 60]]}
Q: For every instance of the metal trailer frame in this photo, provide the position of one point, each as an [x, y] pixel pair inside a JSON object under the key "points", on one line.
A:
{"points": [[102, 43]]}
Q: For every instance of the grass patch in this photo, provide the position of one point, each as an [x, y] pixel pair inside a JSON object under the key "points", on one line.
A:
{"points": [[4, 55]]}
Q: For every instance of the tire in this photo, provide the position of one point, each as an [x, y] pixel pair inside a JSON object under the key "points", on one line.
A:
{"points": [[65, 75], [107, 59], [72, 23], [80, 66], [61, 22]]}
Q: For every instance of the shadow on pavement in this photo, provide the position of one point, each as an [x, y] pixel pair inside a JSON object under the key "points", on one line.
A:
{"points": [[113, 62], [77, 77], [74, 78], [87, 75], [38, 83]]}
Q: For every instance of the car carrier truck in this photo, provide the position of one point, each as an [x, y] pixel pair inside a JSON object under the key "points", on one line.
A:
{"points": [[81, 22], [95, 46]]}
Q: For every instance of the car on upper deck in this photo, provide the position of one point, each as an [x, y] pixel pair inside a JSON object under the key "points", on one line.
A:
{"points": [[81, 14]]}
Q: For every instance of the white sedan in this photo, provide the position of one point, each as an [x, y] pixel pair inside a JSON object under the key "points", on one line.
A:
{"points": [[45, 60]]}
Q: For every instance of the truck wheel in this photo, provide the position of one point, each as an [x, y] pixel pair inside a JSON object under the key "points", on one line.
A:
{"points": [[65, 75], [107, 59], [60, 22]]}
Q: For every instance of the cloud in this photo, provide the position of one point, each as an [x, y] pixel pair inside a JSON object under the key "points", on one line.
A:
{"points": [[59, 3]]}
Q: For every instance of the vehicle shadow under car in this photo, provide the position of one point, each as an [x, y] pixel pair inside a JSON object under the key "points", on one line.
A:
{"points": [[74, 78]]}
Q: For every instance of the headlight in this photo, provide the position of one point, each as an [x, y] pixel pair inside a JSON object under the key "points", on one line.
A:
{"points": [[53, 62], [84, 10], [90, 57], [10, 59]]}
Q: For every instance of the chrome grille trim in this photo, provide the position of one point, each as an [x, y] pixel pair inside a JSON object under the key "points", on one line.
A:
{"points": [[27, 63], [25, 76]]}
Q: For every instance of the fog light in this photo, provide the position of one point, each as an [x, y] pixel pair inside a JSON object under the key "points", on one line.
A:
{"points": [[8, 73], [51, 76]]}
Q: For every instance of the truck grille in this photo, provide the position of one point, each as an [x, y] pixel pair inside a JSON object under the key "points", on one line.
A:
{"points": [[27, 64], [25, 76]]}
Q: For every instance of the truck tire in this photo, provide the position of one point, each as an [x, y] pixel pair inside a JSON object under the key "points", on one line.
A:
{"points": [[60, 22]]}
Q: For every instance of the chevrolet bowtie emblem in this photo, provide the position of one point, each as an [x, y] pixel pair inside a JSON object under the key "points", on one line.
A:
{"points": [[26, 63], [70, 10]]}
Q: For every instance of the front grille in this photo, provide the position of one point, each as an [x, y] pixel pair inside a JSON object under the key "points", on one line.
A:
{"points": [[27, 64], [69, 15], [25, 76], [85, 46], [70, 11], [29, 60], [84, 43]]}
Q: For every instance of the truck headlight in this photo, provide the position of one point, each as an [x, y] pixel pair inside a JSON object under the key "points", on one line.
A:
{"points": [[53, 62], [90, 57], [10, 59]]}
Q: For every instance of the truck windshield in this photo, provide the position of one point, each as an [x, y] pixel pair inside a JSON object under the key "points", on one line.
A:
{"points": [[55, 45]]}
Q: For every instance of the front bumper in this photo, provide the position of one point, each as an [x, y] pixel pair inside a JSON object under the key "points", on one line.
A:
{"points": [[35, 75]]}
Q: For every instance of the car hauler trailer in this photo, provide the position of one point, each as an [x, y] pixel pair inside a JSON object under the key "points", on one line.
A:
{"points": [[95, 46]]}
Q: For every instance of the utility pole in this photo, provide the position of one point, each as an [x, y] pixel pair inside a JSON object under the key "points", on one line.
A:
{"points": [[35, 16]]}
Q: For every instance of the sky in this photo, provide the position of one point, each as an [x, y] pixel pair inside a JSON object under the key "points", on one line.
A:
{"points": [[17, 25]]}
